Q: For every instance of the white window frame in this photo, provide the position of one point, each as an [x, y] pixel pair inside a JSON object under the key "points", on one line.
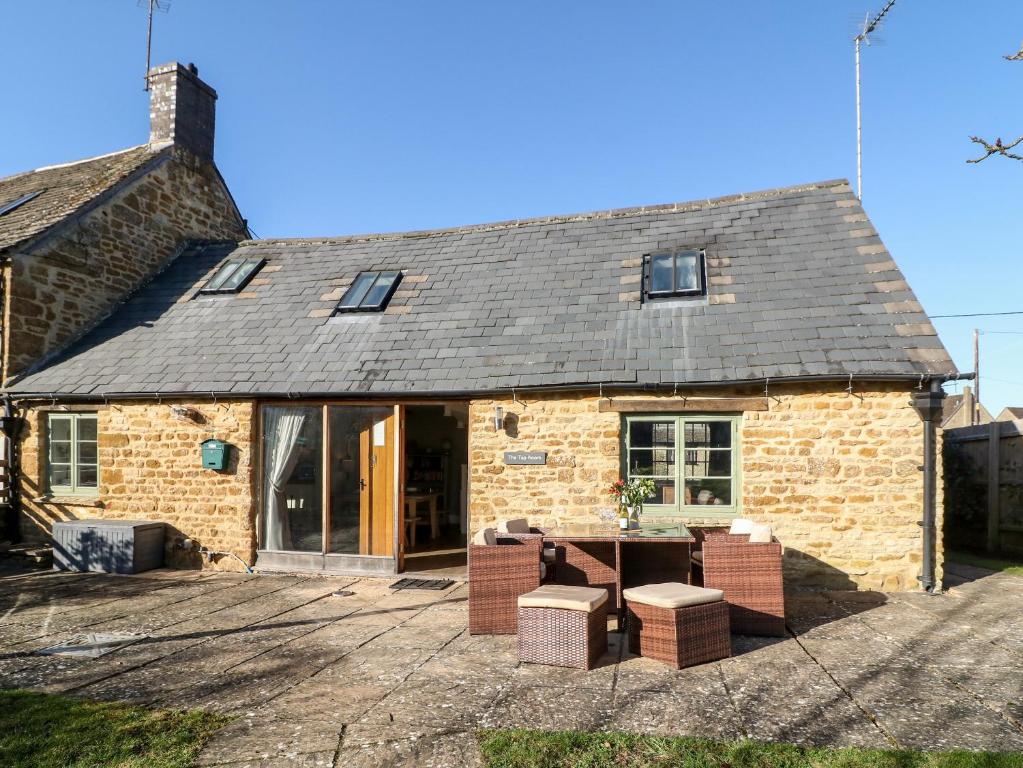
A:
{"points": [[74, 489], [680, 508]]}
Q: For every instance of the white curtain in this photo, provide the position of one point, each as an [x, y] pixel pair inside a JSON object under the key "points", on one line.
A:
{"points": [[282, 429]]}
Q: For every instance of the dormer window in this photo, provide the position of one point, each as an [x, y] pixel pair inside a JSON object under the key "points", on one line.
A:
{"points": [[370, 292], [232, 276], [674, 273]]}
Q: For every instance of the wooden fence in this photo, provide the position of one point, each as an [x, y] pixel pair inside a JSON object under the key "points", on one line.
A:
{"points": [[984, 487]]}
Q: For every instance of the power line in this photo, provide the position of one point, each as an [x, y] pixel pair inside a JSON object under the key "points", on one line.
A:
{"points": [[980, 314]]}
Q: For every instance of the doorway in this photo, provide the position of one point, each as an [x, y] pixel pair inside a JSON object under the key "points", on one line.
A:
{"points": [[329, 487], [435, 488]]}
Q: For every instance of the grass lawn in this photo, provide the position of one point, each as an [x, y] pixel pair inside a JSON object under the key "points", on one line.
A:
{"points": [[981, 561], [38, 730], [567, 749]]}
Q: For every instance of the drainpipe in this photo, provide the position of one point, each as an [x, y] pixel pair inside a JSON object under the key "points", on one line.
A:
{"points": [[928, 404]]}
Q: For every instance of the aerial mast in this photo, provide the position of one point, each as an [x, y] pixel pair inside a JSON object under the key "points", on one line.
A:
{"points": [[869, 25], [153, 5]]}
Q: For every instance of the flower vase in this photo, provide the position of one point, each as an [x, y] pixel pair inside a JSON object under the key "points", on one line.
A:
{"points": [[634, 517], [630, 520]]}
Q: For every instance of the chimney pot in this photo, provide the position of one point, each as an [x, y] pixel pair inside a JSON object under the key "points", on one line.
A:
{"points": [[182, 109]]}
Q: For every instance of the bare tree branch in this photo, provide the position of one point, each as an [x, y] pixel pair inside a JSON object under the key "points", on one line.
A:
{"points": [[998, 148], [1018, 56]]}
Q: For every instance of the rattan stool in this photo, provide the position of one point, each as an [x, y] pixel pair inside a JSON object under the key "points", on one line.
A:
{"points": [[678, 624], [563, 626]]}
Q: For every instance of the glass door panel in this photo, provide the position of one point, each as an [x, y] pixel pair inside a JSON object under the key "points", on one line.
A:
{"points": [[361, 461], [292, 479]]}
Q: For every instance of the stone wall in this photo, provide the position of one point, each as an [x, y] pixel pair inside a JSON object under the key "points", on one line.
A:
{"points": [[73, 279], [835, 475], [150, 469]]}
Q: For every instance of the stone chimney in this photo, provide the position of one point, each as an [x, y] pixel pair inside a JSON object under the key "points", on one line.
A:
{"points": [[182, 109]]}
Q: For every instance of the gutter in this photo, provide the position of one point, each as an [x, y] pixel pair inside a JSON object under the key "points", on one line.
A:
{"points": [[468, 394]]}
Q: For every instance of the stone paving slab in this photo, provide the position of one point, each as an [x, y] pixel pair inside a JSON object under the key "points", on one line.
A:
{"points": [[385, 678]]}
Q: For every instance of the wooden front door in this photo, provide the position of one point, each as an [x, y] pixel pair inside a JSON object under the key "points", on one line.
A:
{"points": [[376, 486]]}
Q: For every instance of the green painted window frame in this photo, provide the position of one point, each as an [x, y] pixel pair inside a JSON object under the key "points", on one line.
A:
{"points": [[75, 488], [679, 508]]}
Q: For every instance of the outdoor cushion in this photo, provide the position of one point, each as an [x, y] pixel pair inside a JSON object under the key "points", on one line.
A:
{"points": [[566, 598], [761, 534], [741, 525], [518, 525], [550, 555], [485, 537], [672, 595], [698, 556]]}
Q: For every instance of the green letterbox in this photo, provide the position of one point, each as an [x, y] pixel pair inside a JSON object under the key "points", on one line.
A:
{"points": [[214, 454]]}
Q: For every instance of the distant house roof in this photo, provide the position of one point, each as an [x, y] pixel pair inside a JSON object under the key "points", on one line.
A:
{"points": [[1010, 413], [63, 190], [799, 285]]}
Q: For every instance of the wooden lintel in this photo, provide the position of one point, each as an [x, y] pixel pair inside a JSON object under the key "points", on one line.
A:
{"points": [[682, 404]]}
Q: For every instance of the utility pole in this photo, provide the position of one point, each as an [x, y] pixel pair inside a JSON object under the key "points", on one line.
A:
{"points": [[975, 416], [869, 25]]}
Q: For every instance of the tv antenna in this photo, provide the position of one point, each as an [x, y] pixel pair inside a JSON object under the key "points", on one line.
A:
{"points": [[153, 6], [869, 26]]}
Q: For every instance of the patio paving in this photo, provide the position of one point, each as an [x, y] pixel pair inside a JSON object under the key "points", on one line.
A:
{"points": [[384, 678]]}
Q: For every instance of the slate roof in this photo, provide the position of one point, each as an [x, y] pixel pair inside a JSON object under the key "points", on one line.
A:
{"points": [[66, 189], [799, 285]]}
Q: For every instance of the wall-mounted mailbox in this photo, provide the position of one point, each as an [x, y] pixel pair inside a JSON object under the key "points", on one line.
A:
{"points": [[214, 454]]}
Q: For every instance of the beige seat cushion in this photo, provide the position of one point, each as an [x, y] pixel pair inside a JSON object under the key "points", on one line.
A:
{"points": [[698, 556], [672, 595], [485, 537], [761, 534], [741, 525], [566, 598], [518, 525], [550, 555]]}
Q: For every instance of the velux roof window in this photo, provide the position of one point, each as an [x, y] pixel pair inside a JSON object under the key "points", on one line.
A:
{"points": [[232, 276], [370, 292], [674, 273], [17, 202]]}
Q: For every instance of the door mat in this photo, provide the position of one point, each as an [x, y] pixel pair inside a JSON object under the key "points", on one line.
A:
{"points": [[92, 645], [436, 584]]}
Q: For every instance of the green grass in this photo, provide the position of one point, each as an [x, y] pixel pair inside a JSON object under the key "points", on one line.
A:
{"points": [[567, 749], [38, 730], [991, 563]]}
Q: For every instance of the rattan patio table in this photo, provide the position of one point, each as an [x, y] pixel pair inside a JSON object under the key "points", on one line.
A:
{"points": [[599, 555]]}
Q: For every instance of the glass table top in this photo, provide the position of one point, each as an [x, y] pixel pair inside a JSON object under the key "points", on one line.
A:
{"points": [[648, 531]]}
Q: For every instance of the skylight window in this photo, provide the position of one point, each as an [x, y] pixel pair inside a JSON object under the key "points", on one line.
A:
{"points": [[673, 273], [20, 201], [370, 292], [232, 276]]}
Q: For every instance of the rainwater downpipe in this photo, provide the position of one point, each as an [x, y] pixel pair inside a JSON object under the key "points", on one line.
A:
{"points": [[928, 404]]}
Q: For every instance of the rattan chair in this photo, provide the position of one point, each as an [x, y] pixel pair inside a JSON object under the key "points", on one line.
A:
{"points": [[750, 575], [498, 574]]}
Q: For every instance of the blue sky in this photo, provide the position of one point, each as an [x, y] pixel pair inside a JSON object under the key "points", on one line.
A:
{"points": [[341, 117]]}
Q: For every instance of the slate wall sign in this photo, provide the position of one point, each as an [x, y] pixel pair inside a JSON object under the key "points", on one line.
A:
{"points": [[525, 457]]}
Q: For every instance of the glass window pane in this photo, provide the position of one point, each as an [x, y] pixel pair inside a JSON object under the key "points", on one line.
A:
{"points": [[239, 276], [60, 475], [657, 462], [708, 434], [221, 276], [709, 492], [60, 452], [292, 479], [660, 273], [86, 427], [88, 476], [60, 428], [379, 290], [652, 434], [358, 291], [354, 432], [87, 453], [703, 462], [687, 271], [664, 493]]}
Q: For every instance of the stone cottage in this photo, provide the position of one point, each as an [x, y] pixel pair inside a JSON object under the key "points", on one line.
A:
{"points": [[366, 403]]}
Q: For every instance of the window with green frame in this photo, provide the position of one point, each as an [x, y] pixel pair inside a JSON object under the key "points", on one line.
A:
{"points": [[72, 459], [692, 460]]}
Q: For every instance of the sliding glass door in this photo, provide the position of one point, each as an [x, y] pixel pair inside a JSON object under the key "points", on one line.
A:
{"points": [[328, 479]]}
